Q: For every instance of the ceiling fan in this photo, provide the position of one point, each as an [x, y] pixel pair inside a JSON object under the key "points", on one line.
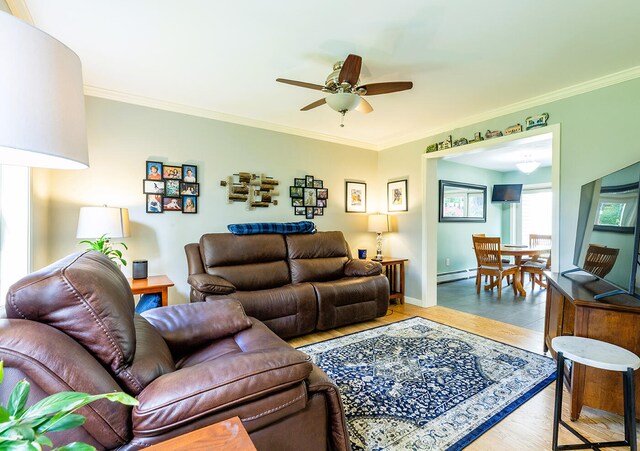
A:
{"points": [[345, 92]]}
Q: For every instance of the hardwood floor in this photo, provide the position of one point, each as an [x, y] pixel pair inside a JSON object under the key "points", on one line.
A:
{"points": [[530, 426]]}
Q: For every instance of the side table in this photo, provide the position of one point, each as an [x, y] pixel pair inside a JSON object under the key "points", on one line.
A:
{"points": [[394, 270], [227, 435], [153, 284]]}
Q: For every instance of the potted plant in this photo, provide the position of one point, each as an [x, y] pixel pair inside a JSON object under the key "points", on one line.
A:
{"points": [[24, 428], [103, 244]]}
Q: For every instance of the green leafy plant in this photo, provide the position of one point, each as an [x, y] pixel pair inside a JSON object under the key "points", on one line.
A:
{"points": [[103, 244], [23, 429]]}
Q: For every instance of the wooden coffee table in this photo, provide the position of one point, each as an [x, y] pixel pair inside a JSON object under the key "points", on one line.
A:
{"points": [[227, 435]]}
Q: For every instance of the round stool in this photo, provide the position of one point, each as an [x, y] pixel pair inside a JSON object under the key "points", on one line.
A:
{"points": [[596, 354]]}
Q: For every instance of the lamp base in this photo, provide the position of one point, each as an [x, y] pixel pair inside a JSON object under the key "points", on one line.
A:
{"points": [[377, 259], [378, 256]]}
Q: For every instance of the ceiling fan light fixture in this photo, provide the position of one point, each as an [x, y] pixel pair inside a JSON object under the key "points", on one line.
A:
{"points": [[343, 101], [528, 166]]}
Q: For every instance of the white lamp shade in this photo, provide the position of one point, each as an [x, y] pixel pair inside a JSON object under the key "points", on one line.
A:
{"points": [[343, 101], [378, 223], [94, 222], [528, 166], [42, 117]]}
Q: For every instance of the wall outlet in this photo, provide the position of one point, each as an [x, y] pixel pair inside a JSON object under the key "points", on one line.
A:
{"points": [[447, 261]]}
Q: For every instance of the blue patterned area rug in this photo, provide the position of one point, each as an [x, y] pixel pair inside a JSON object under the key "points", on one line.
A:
{"points": [[420, 385]]}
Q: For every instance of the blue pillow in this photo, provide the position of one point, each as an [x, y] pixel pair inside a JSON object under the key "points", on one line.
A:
{"points": [[287, 228]]}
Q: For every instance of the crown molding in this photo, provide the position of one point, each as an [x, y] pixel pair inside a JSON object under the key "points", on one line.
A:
{"points": [[94, 91], [20, 9], [580, 88]]}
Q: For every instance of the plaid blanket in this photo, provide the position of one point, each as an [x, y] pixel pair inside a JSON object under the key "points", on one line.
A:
{"points": [[287, 228]]}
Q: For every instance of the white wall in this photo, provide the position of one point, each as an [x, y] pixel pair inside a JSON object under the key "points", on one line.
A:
{"points": [[122, 137]]}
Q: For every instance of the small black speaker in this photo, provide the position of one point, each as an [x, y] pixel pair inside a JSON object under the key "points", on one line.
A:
{"points": [[140, 269]]}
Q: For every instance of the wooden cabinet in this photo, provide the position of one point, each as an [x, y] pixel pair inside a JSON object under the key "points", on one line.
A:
{"points": [[571, 310]]}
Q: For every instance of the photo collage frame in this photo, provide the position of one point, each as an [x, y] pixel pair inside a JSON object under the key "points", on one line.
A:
{"points": [[309, 197], [171, 187]]}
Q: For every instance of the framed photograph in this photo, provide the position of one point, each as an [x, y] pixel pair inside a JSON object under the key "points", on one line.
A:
{"points": [[189, 173], [153, 186], [172, 204], [299, 182], [296, 191], [154, 203], [309, 181], [310, 197], [323, 193], [299, 211], [322, 203], [397, 196], [189, 204], [154, 170], [462, 202], [318, 211], [356, 197], [309, 212], [172, 188], [297, 202], [172, 172], [317, 183], [189, 189]]}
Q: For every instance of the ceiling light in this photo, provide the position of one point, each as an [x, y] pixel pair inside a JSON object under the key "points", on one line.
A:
{"points": [[343, 102], [42, 118], [528, 166]]}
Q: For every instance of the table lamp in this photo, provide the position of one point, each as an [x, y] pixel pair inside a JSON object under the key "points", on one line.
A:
{"points": [[378, 223]]}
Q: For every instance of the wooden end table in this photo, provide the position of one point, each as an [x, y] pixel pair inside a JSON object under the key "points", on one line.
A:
{"points": [[394, 270], [227, 435], [153, 284]]}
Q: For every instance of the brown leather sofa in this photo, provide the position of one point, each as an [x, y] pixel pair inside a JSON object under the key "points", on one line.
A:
{"points": [[295, 284], [72, 327]]}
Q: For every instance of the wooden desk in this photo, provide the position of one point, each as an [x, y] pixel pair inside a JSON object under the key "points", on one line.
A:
{"points": [[394, 270], [227, 435], [571, 310], [153, 284]]}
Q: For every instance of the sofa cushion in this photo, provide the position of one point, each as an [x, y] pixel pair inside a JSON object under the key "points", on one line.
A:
{"points": [[249, 262], [351, 300], [289, 311], [318, 257], [86, 296]]}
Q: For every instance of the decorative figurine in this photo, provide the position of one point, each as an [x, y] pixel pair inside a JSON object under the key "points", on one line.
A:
{"points": [[460, 142], [537, 121], [513, 129], [432, 147], [477, 137], [492, 134], [448, 143]]}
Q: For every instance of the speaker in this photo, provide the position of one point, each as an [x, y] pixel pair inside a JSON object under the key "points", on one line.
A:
{"points": [[140, 269]]}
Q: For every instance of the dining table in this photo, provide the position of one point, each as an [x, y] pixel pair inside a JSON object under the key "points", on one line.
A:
{"points": [[518, 251]]}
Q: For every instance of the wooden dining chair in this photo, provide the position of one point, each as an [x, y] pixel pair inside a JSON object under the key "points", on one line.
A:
{"points": [[536, 270], [489, 259], [538, 240], [600, 259]]}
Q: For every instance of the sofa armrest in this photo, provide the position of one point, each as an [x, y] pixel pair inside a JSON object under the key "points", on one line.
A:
{"points": [[362, 268], [189, 393], [188, 326], [207, 283]]}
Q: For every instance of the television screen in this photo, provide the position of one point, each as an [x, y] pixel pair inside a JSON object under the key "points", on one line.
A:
{"points": [[608, 233], [507, 193]]}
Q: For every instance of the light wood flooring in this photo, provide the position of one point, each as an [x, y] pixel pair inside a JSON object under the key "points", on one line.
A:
{"points": [[530, 426]]}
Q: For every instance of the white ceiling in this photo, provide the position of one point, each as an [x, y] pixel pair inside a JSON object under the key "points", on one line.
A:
{"points": [[467, 58]]}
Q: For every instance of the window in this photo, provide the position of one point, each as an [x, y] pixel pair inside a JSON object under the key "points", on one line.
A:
{"points": [[14, 226], [536, 213]]}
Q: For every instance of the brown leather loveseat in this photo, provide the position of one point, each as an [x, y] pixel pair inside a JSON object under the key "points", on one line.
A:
{"points": [[295, 284], [72, 327]]}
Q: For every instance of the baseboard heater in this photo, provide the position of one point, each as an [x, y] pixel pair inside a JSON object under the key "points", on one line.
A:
{"points": [[452, 276]]}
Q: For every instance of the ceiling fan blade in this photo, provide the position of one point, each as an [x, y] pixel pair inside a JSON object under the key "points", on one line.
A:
{"points": [[302, 84], [350, 71], [386, 88], [364, 106], [314, 104]]}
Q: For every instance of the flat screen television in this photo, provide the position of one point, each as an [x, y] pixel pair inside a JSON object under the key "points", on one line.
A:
{"points": [[507, 193], [608, 232]]}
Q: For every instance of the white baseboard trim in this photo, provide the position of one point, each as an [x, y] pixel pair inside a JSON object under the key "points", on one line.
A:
{"points": [[414, 301], [456, 275]]}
